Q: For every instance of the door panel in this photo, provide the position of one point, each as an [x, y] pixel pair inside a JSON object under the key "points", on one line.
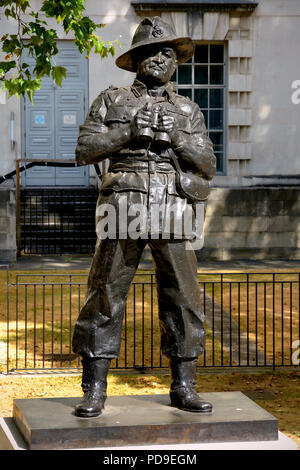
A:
{"points": [[51, 124], [39, 137], [70, 114]]}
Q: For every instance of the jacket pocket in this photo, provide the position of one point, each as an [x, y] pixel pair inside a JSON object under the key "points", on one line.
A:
{"points": [[171, 186], [182, 118], [118, 113]]}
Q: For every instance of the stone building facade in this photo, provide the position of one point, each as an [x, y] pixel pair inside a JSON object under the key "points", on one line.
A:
{"points": [[254, 208]]}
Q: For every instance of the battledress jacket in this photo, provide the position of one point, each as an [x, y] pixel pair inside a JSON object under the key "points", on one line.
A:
{"points": [[142, 172]]}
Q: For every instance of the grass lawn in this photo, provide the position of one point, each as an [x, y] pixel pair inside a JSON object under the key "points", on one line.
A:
{"points": [[283, 388], [44, 317], [266, 307]]}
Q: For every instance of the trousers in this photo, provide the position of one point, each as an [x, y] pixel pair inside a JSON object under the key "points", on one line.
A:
{"points": [[98, 328]]}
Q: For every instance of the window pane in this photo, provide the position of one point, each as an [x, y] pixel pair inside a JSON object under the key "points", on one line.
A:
{"points": [[216, 75], [219, 157], [216, 98], [205, 114], [216, 54], [217, 140], [184, 74], [201, 98], [202, 80], [201, 54], [185, 92], [201, 74], [216, 119]]}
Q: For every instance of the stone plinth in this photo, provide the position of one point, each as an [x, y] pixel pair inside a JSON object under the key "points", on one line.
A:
{"points": [[50, 423]]}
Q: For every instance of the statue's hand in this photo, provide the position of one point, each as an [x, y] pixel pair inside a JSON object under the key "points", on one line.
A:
{"points": [[167, 123], [142, 119]]}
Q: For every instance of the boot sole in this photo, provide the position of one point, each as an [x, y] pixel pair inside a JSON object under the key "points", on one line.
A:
{"points": [[88, 415], [189, 410]]}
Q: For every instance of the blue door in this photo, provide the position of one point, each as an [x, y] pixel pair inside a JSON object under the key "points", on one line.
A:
{"points": [[50, 126]]}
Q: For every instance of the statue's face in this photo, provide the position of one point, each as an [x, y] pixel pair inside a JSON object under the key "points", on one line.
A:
{"points": [[156, 64]]}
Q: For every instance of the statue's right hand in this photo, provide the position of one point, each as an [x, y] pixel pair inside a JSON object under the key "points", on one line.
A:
{"points": [[142, 119]]}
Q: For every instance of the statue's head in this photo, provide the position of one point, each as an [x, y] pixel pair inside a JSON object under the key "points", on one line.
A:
{"points": [[156, 64], [155, 51]]}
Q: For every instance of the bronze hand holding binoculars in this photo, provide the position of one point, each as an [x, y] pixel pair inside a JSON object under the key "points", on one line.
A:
{"points": [[152, 133]]}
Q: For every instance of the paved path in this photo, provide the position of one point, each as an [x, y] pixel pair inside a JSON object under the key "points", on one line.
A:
{"points": [[227, 331], [41, 262]]}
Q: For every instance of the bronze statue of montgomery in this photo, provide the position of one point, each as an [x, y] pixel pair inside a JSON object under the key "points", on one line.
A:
{"points": [[119, 127]]}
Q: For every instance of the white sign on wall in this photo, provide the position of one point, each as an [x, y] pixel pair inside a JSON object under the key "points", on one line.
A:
{"points": [[70, 119]]}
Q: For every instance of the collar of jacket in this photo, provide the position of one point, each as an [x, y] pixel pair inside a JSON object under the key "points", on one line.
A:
{"points": [[139, 89]]}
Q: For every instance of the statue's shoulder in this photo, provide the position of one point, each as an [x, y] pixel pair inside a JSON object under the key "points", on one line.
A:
{"points": [[113, 93], [106, 98]]}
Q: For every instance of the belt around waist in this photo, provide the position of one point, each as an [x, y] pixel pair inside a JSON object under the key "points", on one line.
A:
{"points": [[148, 167]]}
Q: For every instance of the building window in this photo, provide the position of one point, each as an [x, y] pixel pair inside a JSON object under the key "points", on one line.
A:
{"points": [[202, 79]]}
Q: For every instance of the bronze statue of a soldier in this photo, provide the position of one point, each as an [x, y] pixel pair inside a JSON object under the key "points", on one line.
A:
{"points": [[119, 127]]}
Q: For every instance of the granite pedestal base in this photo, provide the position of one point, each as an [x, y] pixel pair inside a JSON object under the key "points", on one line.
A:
{"points": [[142, 420]]}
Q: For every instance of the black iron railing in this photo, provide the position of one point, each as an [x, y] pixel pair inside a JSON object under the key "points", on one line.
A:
{"points": [[252, 320], [42, 230], [58, 220]]}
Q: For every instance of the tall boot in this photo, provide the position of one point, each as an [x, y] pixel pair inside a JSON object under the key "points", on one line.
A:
{"points": [[182, 393], [94, 385]]}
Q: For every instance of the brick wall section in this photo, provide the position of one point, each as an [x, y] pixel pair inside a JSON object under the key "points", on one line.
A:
{"points": [[7, 225], [252, 223]]}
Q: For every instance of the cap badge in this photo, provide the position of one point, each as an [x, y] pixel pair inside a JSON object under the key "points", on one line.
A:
{"points": [[157, 32]]}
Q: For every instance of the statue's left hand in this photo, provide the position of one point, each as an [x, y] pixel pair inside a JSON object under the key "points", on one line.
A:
{"points": [[168, 124]]}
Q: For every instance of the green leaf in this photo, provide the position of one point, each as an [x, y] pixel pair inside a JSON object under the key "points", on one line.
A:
{"points": [[112, 50], [58, 73], [30, 94], [7, 66], [98, 47], [41, 41]]}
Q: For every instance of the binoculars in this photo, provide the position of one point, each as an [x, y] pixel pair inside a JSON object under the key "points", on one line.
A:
{"points": [[151, 133]]}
